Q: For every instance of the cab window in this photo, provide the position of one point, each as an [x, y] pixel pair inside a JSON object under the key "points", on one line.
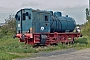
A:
{"points": [[18, 18], [24, 16], [46, 18], [29, 15]]}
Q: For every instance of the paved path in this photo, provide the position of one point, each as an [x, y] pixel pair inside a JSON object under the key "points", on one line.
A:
{"points": [[69, 54]]}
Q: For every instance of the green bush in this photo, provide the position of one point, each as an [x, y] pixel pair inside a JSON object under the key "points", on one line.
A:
{"points": [[86, 29]]}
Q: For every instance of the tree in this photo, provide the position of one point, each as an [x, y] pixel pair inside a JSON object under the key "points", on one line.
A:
{"points": [[86, 29], [10, 26], [87, 14]]}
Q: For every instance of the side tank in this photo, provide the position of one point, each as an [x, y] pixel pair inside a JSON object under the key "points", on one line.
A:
{"points": [[60, 23]]}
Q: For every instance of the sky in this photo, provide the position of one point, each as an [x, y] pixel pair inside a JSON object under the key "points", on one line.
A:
{"points": [[73, 8]]}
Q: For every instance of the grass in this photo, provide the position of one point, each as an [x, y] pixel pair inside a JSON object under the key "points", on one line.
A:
{"points": [[11, 48], [7, 56]]}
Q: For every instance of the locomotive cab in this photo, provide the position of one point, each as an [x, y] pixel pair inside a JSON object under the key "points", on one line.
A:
{"points": [[23, 20], [32, 21]]}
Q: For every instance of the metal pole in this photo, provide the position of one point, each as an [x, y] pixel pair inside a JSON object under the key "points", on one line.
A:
{"points": [[89, 7]]}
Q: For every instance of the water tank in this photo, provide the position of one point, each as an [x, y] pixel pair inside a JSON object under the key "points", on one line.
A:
{"points": [[60, 23]]}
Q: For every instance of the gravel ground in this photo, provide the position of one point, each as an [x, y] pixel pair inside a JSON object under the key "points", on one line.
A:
{"points": [[68, 54]]}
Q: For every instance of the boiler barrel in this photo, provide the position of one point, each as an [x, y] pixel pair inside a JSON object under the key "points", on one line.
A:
{"points": [[60, 23]]}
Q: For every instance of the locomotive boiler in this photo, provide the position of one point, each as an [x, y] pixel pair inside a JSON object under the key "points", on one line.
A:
{"points": [[59, 23], [41, 27]]}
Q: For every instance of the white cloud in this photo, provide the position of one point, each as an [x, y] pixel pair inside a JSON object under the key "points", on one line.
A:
{"points": [[74, 8]]}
